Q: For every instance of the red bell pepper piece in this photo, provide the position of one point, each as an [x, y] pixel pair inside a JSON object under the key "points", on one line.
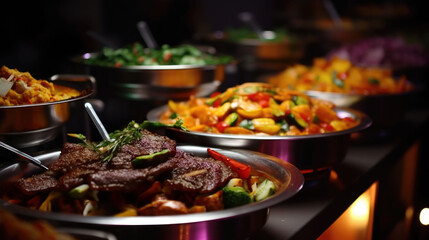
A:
{"points": [[221, 126], [243, 170], [260, 97]]}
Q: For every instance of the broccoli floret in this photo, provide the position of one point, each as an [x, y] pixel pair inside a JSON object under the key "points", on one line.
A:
{"points": [[235, 196]]}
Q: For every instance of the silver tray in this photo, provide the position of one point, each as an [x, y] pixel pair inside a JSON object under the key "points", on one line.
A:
{"points": [[234, 223], [310, 153]]}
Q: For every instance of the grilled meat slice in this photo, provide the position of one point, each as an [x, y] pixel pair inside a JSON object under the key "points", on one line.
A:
{"points": [[117, 179], [197, 174], [74, 156], [38, 183], [150, 143], [127, 179], [74, 178]]}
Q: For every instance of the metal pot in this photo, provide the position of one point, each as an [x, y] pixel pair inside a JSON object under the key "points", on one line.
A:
{"points": [[312, 154], [34, 124], [158, 83], [233, 223]]}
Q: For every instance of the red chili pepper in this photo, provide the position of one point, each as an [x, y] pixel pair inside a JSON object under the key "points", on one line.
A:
{"points": [[243, 170]]}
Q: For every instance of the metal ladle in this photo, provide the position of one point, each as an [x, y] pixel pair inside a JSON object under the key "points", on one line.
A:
{"points": [[97, 122], [146, 34], [35, 161], [25, 156]]}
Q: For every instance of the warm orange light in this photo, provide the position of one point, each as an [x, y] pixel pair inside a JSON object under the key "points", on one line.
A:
{"points": [[360, 209], [356, 222]]}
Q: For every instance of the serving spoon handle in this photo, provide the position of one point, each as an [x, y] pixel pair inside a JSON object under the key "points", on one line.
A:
{"points": [[146, 34], [96, 120], [25, 156]]}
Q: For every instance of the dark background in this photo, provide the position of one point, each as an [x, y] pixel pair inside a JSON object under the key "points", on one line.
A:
{"points": [[41, 36]]}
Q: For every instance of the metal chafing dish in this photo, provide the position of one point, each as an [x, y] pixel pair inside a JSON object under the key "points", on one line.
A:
{"points": [[385, 110], [234, 223], [157, 83], [47, 118], [312, 154]]}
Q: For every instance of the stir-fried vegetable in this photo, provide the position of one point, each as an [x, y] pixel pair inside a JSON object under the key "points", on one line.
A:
{"points": [[257, 108], [137, 55], [240, 192], [235, 196], [340, 75]]}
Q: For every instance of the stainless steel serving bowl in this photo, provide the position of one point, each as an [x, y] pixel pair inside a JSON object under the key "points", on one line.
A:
{"points": [[159, 82], [233, 223], [312, 154], [385, 110], [34, 124], [261, 49]]}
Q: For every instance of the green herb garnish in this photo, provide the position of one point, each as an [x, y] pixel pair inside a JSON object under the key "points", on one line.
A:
{"points": [[119, 138]]}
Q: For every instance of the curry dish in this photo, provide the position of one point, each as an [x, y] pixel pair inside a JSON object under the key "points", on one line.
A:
{"points": [[25, 89]]}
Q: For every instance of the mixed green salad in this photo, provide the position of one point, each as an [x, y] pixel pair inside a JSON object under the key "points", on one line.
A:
{"points": [[137, 55]]}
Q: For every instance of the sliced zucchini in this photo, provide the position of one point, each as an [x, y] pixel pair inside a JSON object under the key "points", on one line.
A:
{"points": [[151, 159], [297, 121], [231, 119]]}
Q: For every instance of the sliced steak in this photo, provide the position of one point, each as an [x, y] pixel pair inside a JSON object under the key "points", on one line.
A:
{"points": [[127, 179], [150, 143], [118, 179], [75, 156], [38, 183], [74, 178], [197, 174]]}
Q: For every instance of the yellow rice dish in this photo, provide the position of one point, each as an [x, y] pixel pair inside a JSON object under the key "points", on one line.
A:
{"points": [[27, 90]]}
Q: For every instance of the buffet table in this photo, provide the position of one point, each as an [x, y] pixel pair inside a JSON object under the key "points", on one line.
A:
{"points": [[308, 214]]}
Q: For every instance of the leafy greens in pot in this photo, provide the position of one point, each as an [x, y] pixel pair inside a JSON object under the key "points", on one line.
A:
{"points": [[137, 55]]}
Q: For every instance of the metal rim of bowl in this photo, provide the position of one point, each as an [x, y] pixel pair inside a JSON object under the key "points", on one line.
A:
{"points": [[81, 60], [296, 183], [80, 97], [365, 122]]}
